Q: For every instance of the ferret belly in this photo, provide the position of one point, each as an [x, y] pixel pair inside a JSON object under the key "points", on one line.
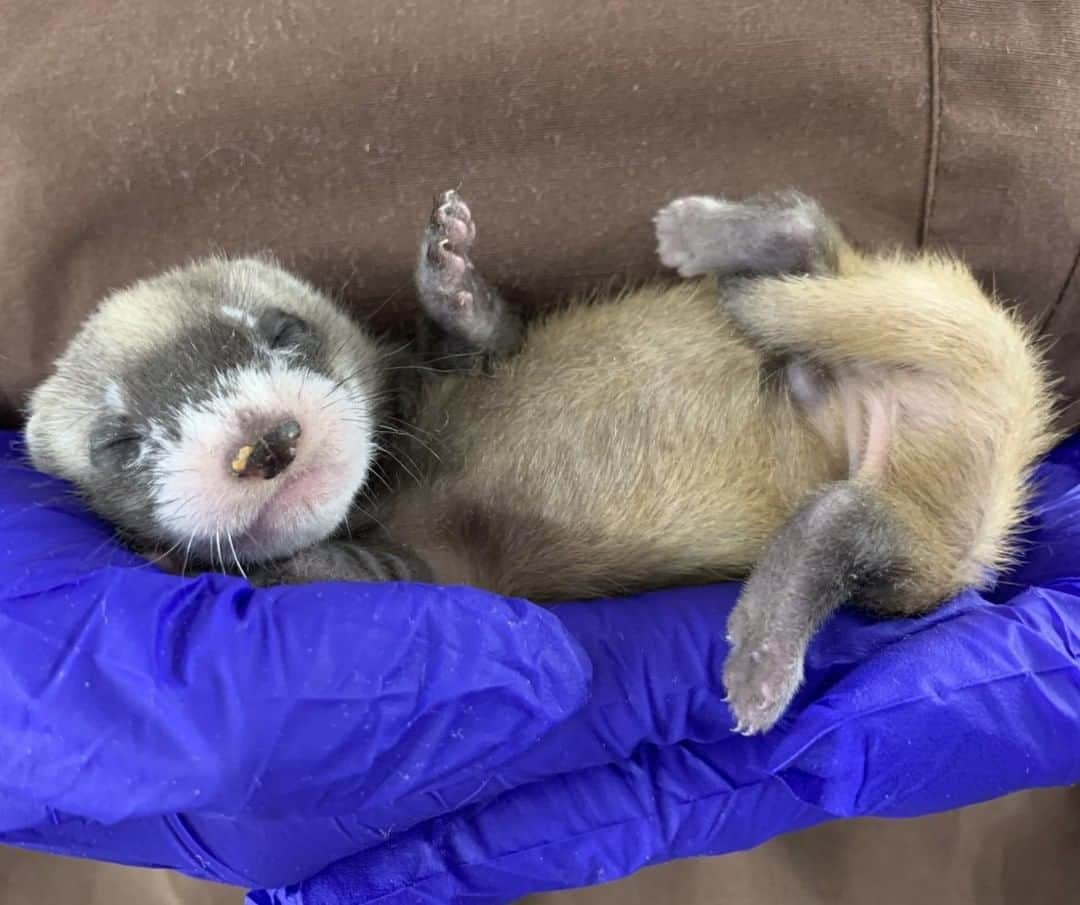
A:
{"points": [[629, 445]]}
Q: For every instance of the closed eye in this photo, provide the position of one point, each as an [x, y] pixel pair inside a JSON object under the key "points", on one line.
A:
{"points": [[284, 331], [290, 333], [114, 447]]}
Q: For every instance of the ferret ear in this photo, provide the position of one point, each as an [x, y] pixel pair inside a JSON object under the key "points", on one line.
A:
{"points": [[32, 437], [49, 444], [35, 432]]}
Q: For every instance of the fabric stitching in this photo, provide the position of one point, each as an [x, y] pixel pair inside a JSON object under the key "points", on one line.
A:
{"points": [[934, 149], [1052, 309]]}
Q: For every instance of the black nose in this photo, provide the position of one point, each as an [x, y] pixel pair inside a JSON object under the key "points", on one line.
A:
{"points": [[270, 455]]}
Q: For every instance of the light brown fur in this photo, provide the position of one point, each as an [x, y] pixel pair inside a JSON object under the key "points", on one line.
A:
{"points": [[631, 443]]}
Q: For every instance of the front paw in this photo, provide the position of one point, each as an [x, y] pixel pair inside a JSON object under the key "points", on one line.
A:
{"points": [[445, 271], [761, 678]]}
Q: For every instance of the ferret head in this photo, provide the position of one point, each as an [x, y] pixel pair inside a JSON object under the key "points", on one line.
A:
{"points": [[225, 410]]}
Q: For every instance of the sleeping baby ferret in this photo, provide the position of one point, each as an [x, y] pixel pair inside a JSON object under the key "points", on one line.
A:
{"points": [[830, 425]]}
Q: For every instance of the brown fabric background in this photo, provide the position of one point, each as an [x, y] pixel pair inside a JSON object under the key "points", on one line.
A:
{"points": [[135, 135]]}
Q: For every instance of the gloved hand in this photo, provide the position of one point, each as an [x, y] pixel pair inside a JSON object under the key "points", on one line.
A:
{"points": [[245, 735], [305, 763], [897, 719]]}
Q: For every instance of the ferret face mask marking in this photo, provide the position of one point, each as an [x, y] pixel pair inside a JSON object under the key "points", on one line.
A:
{"points": [[261, 396], [239, 430]]}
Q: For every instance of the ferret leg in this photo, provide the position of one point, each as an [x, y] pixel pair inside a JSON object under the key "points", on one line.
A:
{"points": [[804, 292], [842, 545], [467, 322], [369, 559], [785, 234]]}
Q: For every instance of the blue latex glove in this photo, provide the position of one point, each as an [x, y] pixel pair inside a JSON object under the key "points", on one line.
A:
{"points": [[896, 718], [234, 733]]}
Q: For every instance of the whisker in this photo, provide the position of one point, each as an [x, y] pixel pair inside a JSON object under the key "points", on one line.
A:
{"points": [[377, 472], [236, 559], [159, 556], [372, 516], [403, 431], [417, 427], [402, 465], [394, 294], [187, 553]]}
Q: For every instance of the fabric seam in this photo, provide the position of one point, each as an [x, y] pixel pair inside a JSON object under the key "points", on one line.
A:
{"points": [[934, 149], [1052, 310]]}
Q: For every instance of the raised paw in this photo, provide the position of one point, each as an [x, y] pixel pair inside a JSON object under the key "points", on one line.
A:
{"points": [[786, 234], [685, 233], [760, 677], [474, 325], [444, 273]]}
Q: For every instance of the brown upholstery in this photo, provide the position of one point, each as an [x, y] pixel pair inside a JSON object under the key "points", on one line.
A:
{"points": [[135, 135]]}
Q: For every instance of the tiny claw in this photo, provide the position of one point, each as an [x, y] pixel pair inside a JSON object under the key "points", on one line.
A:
{"points": [[445, 201]]}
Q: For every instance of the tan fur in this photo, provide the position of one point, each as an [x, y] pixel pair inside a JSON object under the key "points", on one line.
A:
{"points": [[632, 444]]}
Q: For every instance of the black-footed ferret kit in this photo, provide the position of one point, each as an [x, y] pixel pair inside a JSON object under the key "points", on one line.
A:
{"points": [[831, 425]]}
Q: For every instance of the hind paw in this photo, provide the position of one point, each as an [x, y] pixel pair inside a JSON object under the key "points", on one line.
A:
{"points": [[760, 676], [685, 231]]}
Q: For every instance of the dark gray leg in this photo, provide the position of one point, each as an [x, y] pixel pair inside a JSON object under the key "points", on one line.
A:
{"points": [[841, 544], [467, 323], [786, 234]]}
